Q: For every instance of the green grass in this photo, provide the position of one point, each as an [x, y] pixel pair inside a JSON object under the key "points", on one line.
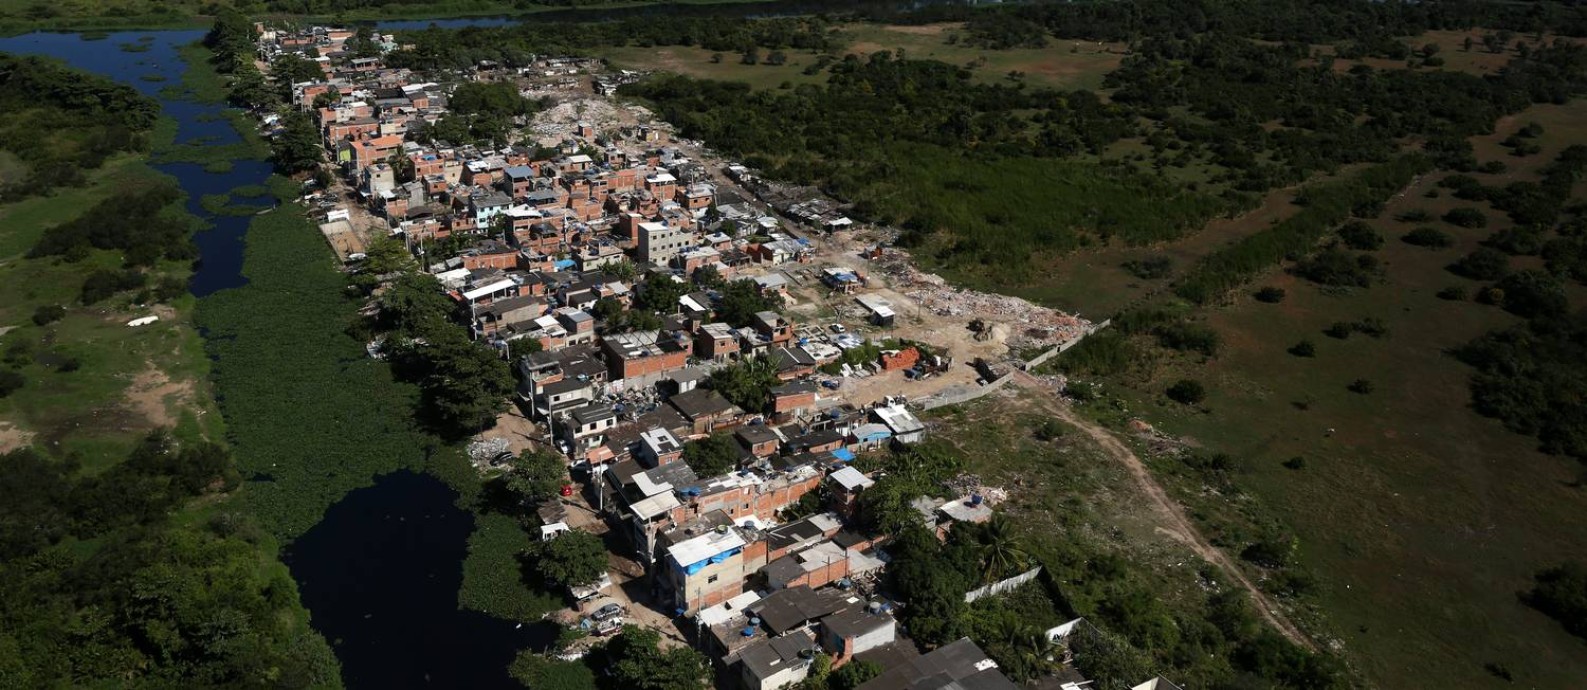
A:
{"points": [[1056, 66], [1421, 518], [87, 411], [1059, 65]]}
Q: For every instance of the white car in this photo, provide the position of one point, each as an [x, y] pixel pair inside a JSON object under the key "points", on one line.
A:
{"points": [[838, 328]]}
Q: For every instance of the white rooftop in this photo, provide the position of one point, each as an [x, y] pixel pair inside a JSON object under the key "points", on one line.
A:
{"points": [[691, 551], [851, 479]]}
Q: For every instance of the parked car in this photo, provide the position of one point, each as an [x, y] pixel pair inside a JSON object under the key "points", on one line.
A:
{"points": [[607, 612], [838, 328], [608, 627]]}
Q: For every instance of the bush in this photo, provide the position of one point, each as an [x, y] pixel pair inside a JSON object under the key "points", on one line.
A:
{"points": [[1270, 295], [1453, 293], [1415, 215], [1295, 463], [1155, 268], [1360, 236], [1429, 237], [1334, 266], [48, 314], [1561, 593], [102, 284], [1304, 348], [1482, 264], [1187, 391], [10, 381], [1339, 329], [1532, 294], [1361, 386], [1466, 217], [1372, 327]]}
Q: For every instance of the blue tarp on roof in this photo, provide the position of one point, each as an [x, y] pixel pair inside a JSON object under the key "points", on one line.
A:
{"points": [[565, 263], [693, 568], [843, 454]]}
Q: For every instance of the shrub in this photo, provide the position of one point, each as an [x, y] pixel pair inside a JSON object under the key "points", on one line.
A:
{"points": [[1270, 295], [1453, 293], [1360, 236], [1466, 217], [1429, 237], [1532, 294], [1154, 268], [1339, 329], [1187, 391], [1304, 348], [1482, 264], [1370, 326], [1361, 386], [1295, 463], [1050, 430], [1334, 266], [1561, 593], [1416, 215], [10, 381], [48, 314]]}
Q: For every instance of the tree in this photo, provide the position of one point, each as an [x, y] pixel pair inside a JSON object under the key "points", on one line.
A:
{"points": [[297, 148], [747, 383], [466, 386], [636, 661], [1304, 348], [415, 305], [741, 301], [1466, 217], [1533, 294], [535, 477], [1187, 391], [659, 293], [1001, 555], [1429, 237], [571, 559], [853, 674], [387, 254], [1360, 236], [1270, 294], [1360, 386], [1561, 593], [712, 456]]}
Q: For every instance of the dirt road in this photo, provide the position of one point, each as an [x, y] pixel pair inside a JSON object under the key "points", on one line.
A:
{"points": [[1174, 521]]}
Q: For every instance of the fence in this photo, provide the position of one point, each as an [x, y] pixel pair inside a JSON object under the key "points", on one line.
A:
{"points": [[1056, 350], [1002, 586], [954, 396]]}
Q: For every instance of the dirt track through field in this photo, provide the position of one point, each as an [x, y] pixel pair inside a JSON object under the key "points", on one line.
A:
{"points": [[1174, 521]]}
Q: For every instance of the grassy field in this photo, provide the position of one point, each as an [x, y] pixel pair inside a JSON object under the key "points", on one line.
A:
{"points": [[129, 380], [1422, 519], [1059, 65]]}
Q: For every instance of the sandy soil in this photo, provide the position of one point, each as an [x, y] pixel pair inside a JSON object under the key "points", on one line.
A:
{"points": [[157, 398], [13, 437]]}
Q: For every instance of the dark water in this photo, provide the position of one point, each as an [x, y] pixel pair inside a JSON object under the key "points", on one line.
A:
{"points": [[381, 574], [221, 246]]}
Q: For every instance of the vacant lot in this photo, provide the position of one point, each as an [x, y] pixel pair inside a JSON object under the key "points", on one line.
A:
{"points": [[1421, 518], [93, 384], [1064, 65]]}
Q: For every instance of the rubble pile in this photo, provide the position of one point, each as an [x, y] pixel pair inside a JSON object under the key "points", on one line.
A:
{"points": [[1040, 326]]}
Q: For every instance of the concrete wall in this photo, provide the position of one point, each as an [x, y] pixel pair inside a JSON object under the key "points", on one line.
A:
{"points": [[1002, 585]]}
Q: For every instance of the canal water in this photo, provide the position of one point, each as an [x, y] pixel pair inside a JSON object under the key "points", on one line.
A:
{"points": [[380, 573]]}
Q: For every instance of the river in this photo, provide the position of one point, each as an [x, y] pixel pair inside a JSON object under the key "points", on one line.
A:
{"points": [[380, 573]]}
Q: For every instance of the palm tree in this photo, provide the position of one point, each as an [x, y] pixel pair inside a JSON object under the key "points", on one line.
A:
{"points": [[1022, 650], [1000, 550]]}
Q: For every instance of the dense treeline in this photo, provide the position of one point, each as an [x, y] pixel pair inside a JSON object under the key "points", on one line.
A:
{"points": [[518, 44], [100, 586], [62, 123], [1307, 21], [1325, 205], [143, 223]]}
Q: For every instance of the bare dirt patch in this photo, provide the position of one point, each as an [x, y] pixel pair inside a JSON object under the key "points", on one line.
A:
{"points": [[13, 437], [157, 398]]}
